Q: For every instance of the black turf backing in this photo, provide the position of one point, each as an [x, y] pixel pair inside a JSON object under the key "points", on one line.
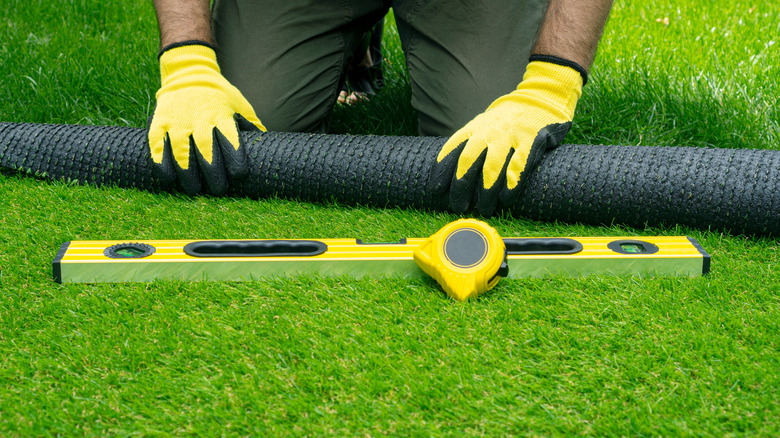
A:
{"points": [[719, 189]]}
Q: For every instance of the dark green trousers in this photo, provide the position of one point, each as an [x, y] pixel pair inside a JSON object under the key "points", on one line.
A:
{"points": [[288, 56]]}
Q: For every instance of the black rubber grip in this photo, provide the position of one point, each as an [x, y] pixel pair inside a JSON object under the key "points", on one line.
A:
{"points": [[255, 248], [733, 190], [542, 245]]}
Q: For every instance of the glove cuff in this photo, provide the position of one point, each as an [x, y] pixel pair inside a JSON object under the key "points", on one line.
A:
{"points": [[549, 84], [185, 43], [564, 62], [187, 57]]}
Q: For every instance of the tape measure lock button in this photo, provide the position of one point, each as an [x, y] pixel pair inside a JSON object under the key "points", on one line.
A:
{"points": [[466, 257]]}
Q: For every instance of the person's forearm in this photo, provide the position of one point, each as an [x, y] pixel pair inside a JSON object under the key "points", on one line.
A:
{"points": [[183, 20], [572, 29]]}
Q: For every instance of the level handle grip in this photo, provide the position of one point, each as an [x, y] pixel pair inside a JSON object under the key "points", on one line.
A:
{"points": [[255, 248], [552, 245]]}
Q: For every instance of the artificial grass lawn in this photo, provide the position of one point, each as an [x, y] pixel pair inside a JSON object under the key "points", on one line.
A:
{"points": [[310, 355]]}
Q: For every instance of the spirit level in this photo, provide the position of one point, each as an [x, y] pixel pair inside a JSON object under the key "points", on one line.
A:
{"points": [[466, 257]]}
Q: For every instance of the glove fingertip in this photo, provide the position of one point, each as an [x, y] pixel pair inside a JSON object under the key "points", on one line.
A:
{"points": [[443, 171], [155, 138], [162, 163], [155, 146], [517, 181], [453, 145], [486, 206], [213, 173], [488, 197], [553, 135], [460, 195], [463, 190], [515, 185], [229, 130], [253, 124], [508, 197], [189, 178], [234, 157]]}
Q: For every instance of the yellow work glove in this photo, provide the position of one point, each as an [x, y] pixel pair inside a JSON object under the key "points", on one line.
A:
{"points": [[193, 132], [491, 157]]}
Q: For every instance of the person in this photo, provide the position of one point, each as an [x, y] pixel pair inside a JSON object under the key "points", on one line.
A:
{"points": [[500, 78]]}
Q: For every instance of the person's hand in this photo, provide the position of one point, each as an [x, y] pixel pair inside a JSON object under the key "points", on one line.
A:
{"points": [[193, 132], [491, 157]]}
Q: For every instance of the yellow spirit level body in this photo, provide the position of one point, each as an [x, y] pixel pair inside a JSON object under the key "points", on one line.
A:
{"points": [[242, 260]]}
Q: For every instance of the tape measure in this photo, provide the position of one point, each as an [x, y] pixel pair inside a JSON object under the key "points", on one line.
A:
{"points": [[466, 257]]}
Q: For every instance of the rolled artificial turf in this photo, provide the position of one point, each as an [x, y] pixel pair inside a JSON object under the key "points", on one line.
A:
{"points": [[733, 190]]}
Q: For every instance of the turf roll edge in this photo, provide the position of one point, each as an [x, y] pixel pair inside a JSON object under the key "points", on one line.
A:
{"points": [[732, 190]]}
